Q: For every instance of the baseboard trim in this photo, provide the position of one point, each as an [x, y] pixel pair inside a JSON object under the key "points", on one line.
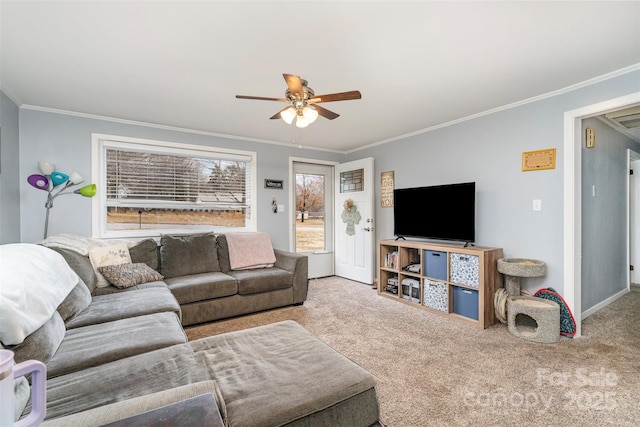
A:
{"points": [[604, 303]]}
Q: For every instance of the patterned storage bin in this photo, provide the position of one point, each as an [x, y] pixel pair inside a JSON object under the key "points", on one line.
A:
{"points": [[464, 269], [436, 295]]}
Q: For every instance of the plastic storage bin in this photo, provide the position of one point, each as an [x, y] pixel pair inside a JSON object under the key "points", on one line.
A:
{"points": [[465, 269], [411, 289], [435, 264], [465, 302], [436, 295]]}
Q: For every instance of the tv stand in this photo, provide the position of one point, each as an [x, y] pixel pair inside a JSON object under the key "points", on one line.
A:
{"points": [[454, 281]]}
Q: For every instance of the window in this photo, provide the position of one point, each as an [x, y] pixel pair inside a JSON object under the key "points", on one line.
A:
{"points": [[151, 187]]}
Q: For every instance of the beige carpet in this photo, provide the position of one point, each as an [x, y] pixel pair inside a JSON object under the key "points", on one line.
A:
{"points": [[433, 371]]}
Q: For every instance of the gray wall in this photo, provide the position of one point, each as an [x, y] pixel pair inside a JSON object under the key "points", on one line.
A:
{"points": [[488, 150], [66, 141], [604, 217], [9, 171]]}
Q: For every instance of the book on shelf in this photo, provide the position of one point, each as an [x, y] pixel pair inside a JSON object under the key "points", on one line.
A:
{"points": [[391, 260]]}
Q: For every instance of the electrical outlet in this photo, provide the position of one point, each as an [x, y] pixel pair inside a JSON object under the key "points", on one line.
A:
{"points": [[537, 204]]}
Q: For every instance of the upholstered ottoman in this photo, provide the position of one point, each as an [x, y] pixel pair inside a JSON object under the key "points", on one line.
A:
{"points": [[280, 374]]}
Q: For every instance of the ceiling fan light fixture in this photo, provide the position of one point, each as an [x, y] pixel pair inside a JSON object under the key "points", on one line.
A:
{"points": [[310, 114], [288, 115], [302, 121], [302, 102]]}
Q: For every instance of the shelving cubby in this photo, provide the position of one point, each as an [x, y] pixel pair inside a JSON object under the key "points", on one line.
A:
{"points": [[453, 280]]}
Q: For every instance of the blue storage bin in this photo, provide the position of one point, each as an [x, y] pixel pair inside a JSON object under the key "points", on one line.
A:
{"points": [[465, 302], [435, 264]]}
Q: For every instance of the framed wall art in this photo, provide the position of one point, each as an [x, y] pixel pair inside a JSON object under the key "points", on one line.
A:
{"points": [[539, 160]]}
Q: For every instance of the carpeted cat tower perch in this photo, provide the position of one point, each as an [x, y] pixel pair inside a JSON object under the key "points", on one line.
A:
{"points": [[531, 318]]}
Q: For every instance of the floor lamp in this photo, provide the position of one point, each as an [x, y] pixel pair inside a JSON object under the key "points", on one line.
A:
{"points": [[57, 184]]}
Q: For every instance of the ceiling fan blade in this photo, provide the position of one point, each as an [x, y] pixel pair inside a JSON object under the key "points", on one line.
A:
{"points": [[295, 84], [342, 96], [277, 115], [261, 98], [325, 113]]}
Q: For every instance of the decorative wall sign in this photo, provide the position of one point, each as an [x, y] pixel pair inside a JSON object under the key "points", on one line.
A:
{"points": [[276, 184], [539, 160], [386, 189]]}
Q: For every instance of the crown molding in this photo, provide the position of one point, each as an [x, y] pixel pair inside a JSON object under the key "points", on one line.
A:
{"points": [[567, 89], [170, 128]]}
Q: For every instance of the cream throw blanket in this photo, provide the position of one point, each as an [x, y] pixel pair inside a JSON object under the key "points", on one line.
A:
{"points": [[80, 244], [250, 250], [34, 280]]}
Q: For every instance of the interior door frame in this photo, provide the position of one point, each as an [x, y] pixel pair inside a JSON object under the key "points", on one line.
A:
{"points": [[633, 158], [572, 190]]}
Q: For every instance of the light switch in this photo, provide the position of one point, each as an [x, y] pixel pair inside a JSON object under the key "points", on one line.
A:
{"points": [[537, 204], [280, 208]]}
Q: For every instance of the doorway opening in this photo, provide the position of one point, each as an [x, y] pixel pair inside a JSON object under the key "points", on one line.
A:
{"points": [[572, 221], [312, 215]]}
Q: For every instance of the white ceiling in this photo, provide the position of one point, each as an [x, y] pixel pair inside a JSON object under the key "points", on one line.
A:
{"points": [[418, 64]]}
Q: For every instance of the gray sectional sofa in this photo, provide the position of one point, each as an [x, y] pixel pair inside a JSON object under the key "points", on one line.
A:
{"points": [[197, 270], [115, 353]]}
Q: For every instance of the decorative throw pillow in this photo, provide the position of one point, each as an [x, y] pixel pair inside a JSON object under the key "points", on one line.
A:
{"points": [[101, 256], [126, 275]]}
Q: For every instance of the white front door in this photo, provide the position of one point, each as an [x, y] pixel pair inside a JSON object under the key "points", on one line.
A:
{"points": [[354, 208]]}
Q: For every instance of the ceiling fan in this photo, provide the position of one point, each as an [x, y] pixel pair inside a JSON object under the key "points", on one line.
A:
{"points": [[303, 102]]}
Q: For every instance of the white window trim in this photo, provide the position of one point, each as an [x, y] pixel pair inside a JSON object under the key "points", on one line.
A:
{"points": [[98, 175]]}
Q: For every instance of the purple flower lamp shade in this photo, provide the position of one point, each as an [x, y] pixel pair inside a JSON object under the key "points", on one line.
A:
{"points": [[38, 181]]}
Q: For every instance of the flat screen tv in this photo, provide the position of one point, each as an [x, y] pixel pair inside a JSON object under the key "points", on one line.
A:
{"points": [[441, 212]]}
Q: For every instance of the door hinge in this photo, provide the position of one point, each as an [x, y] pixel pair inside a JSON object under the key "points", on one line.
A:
{"points": [[630, 171], [631, 268]]}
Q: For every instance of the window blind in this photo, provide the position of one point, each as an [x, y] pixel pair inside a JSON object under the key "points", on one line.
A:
{"points": [[153, 179]]}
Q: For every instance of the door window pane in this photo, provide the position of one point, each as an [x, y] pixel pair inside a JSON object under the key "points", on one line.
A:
{"points": [[310, 213], [352, 181]]}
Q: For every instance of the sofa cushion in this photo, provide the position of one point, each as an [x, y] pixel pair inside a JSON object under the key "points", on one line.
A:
{"points": [[95, 345], [261, 280], [108, 255], [81, 265], [223, 253], [127, 275], [188, 254], [78, 299], [123, 379], [109, 290], [43, 343], [146, 251], [203, 286], [128, 408], [122, 305]]}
